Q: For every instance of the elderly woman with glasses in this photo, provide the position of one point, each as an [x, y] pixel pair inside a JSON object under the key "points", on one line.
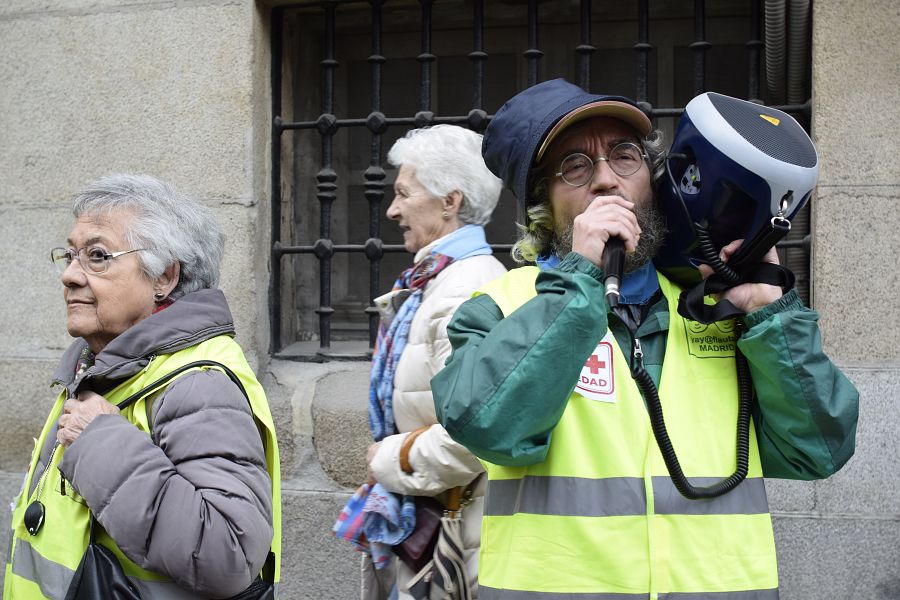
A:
{"points": [[443, 197], [160, 445]]}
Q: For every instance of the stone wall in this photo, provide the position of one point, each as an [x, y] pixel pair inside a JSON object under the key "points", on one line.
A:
{"points": [[179, 89]]}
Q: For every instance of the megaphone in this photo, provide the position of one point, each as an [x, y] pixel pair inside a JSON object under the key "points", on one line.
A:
{"points": [[736, 170]]}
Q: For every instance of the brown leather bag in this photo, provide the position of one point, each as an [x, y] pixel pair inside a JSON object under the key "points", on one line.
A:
{"points": [[417, 549]]}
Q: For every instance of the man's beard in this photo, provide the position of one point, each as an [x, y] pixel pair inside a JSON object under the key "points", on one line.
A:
{"points": [[653, 233]]}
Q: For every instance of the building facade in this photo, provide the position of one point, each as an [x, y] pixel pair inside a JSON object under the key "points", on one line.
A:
{"points": [[183, 89]]}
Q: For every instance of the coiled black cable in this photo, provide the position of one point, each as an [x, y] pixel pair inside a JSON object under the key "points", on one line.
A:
{"points": [[657, 423], [745, 390], [705, 243]]}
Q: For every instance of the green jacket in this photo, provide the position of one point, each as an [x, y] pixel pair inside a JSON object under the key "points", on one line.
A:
{"points": [[507, 381]]}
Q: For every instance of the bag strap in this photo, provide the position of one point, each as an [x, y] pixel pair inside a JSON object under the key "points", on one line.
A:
{"points": [[170, 376], [746, 265], [691, 304], [407, 445], [454, 498]]}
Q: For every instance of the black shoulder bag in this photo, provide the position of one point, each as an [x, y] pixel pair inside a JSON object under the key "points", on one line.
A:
{"points": [[99, 575]]}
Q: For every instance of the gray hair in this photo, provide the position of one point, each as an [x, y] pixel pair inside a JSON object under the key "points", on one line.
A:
{"points": [[447, 158], [168, 226], [538, 231]]}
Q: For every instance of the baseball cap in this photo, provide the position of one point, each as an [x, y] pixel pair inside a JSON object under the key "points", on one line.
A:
{"points": [[522, 130], [624, 111]]}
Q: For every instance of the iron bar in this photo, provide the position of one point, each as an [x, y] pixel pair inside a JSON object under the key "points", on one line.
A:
{"points": [[478, 55], [426, 60], [282, 250], [533, 54], [389, 121], [643, 49], [754, 48], [803, 243], [802, 109], [277, 50], [585, 49], [375, 175], [699, 46], [326, 178]]}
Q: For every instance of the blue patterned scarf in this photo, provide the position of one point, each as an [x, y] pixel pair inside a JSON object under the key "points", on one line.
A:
{"points": [[392, 335]]}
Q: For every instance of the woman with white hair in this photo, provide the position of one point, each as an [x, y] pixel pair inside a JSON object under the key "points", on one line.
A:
{"points": [[160, 445], [443, 197]]}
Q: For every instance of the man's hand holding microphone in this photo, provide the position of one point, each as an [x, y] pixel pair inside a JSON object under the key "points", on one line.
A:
{"points": [[603, 233]]}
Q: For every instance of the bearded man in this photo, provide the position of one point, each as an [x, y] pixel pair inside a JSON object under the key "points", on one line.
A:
{"points": [[580, 503]]}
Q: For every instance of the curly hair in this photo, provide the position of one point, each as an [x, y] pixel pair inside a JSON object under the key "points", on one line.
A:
{"points": [[538, 232]]}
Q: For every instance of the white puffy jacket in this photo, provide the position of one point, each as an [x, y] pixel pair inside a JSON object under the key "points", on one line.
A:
{"points": [[438, 462]]}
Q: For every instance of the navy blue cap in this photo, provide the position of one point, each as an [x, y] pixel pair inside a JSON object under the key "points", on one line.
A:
{"points": [[523, 128]]}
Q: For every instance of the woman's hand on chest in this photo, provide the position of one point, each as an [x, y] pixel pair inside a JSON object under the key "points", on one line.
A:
{"points": [[78, 413]]}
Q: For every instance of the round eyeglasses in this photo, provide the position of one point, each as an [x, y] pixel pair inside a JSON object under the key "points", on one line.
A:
{"points": [[91, 258], [624, 159]]}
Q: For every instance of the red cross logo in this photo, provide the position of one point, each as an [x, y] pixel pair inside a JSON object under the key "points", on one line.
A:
{"points": [[596, 380], [595, 364]]}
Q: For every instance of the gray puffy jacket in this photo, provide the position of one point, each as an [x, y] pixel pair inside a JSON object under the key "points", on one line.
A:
{"points": [[194, 502]]}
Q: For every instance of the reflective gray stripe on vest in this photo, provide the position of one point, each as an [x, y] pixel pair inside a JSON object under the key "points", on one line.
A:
{"points": [[749, 498], [615, 496], [9, 546], [571, 496], [771, 594], [53, 578], [488, 593]]}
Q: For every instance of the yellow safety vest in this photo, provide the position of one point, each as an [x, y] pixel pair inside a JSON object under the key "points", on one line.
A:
{"points": [[42, 566], [600, 514]]}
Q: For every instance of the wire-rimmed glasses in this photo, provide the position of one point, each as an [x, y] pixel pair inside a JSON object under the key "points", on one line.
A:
{"points": [[92, 259], [624, 159]]}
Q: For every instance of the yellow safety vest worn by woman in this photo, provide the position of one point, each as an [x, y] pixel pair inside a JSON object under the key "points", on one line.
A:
{"points": [[168, 481]]}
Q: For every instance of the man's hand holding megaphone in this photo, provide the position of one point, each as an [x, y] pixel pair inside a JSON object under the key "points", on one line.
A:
{"points": [[748, 297]]}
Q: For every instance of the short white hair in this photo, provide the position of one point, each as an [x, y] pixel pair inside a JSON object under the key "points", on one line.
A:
{"points": [[168, 226], [447, 158]]}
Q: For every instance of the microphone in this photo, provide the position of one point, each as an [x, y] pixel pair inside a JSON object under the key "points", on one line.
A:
{"points": [[613, 260]]}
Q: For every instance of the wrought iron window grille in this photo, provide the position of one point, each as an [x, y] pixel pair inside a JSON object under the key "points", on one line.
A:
{"points": [[308, 40]]}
